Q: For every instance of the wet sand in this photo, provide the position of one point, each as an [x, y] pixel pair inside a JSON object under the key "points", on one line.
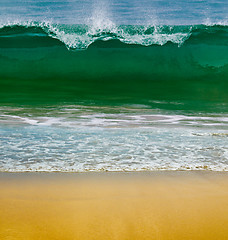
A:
{"points": [[149, 205]]}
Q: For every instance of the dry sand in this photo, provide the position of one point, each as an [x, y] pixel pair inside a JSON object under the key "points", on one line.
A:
{"points": [[149, 205]]}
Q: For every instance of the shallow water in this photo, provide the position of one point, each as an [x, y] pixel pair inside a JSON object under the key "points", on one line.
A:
{"points": [[76, 139]]}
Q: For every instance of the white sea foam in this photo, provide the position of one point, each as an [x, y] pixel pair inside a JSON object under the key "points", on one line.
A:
{"points": [[101, 28], [88, 149], [72, 118], [90, 138]]}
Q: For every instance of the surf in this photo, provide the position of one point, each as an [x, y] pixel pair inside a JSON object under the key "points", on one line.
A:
{"points": [[78, 37], [126, 64]]}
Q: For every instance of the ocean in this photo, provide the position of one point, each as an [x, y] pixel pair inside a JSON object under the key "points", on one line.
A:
{"points": [[113, 85]]}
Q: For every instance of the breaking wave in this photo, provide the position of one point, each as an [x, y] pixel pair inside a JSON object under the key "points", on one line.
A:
{"points": [[80, 37]]}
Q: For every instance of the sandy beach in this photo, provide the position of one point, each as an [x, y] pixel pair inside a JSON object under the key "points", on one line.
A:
{"points": [[144, 205]]}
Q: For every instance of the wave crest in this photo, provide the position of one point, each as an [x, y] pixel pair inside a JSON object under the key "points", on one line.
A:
{"points": [[80, 37]]}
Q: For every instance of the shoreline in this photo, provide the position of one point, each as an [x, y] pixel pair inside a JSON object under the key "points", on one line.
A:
{"points": [[157, 173], [119, 172]]}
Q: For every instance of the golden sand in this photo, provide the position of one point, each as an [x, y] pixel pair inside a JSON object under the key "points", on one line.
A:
{"points": [[165, 205]]}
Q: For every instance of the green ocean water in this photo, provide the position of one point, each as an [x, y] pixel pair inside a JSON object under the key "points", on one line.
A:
{"points": [[181, 64]]}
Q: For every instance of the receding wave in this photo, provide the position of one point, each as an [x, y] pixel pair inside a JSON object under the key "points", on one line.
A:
{"points": [[48, 149]]}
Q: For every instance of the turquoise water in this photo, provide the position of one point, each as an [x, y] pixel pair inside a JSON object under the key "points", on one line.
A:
{"points": [[113, 86], [56, 64]]}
